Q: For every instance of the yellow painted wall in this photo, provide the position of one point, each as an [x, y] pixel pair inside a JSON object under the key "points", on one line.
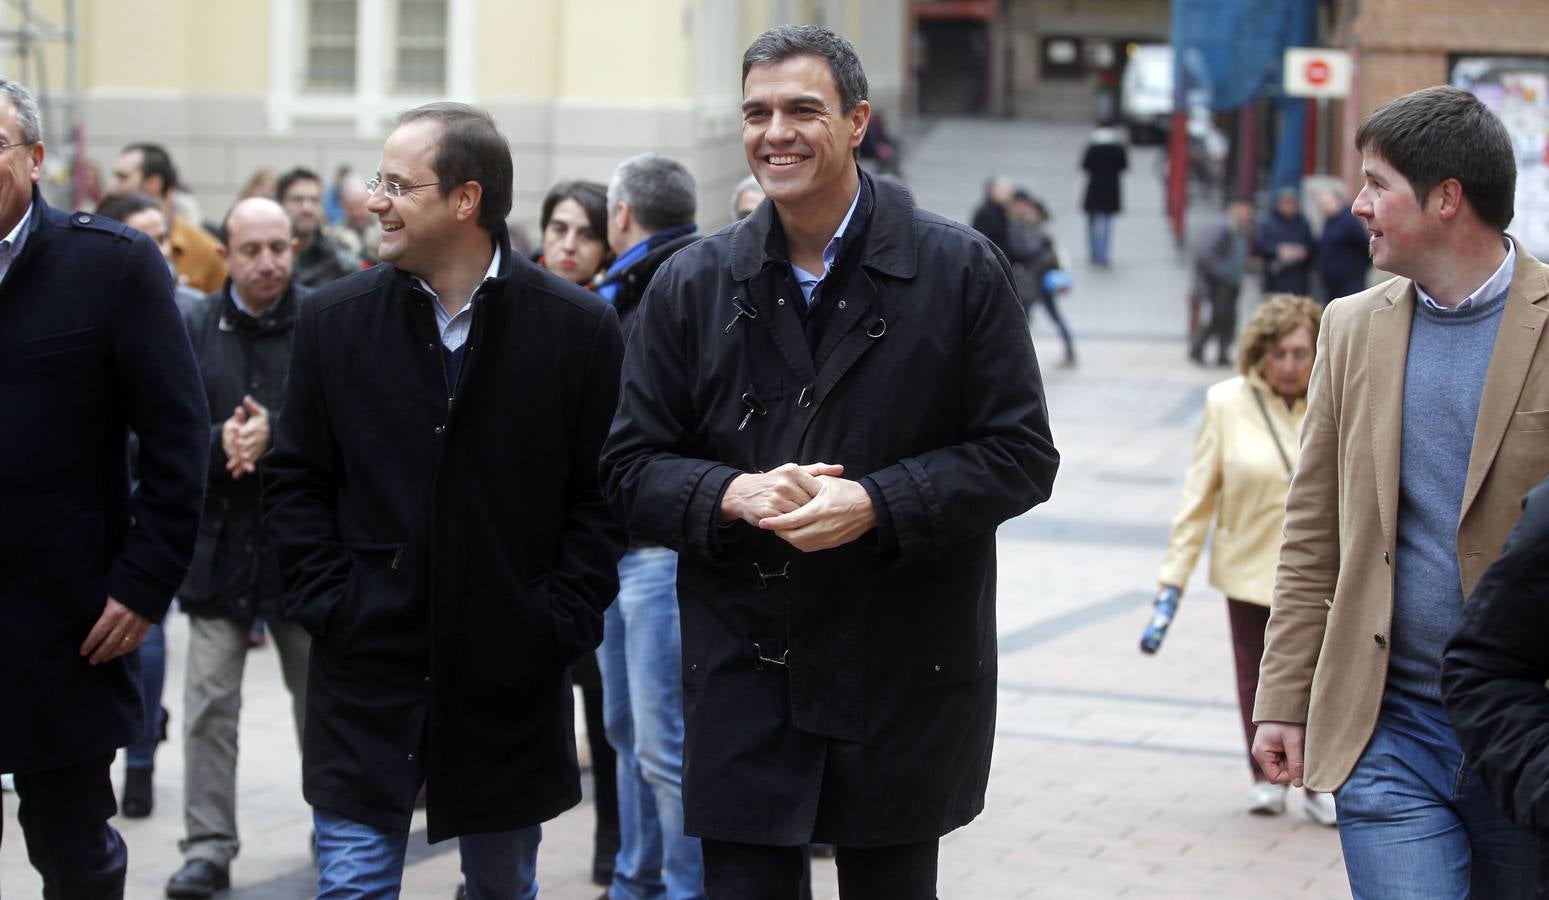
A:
{"points": [[519, 50], [625, 50], [133, 45], [225, 46]]}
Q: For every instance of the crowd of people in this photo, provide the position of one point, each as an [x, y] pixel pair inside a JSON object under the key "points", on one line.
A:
{"points": [[443, 486], [451, 481]]}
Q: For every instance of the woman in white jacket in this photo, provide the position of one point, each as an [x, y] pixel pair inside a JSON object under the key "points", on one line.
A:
{"points": [[1244, 456]]}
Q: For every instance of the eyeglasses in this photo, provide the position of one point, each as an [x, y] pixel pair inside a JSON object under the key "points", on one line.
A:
{"points": [[391, 188], [4, 146]]}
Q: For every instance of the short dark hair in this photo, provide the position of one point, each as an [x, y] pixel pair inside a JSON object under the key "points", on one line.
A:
{"points": [[300, 173], [155, 161], [119, 207], [1444, 132], [471, 149], [591, 196], [785, 41], [659, 191]]}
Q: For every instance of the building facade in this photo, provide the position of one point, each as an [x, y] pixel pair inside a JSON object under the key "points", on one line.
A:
{"points": [[1499, 49], [575, 85]]}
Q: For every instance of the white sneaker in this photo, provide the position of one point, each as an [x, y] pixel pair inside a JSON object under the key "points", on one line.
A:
{"points": [[1320, 808], [1266, 799]]}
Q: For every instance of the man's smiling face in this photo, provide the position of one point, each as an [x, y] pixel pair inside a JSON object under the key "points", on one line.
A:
{"points": [[799, 142]]}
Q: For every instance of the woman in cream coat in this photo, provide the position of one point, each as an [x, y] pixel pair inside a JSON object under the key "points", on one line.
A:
{"points": [[1244, 455]]}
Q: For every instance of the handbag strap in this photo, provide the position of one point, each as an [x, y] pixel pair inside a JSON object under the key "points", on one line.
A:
{"points": [[1273, 434]]}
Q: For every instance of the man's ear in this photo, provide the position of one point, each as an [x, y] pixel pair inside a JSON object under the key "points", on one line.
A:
{"points": [[1448, 198], [860, 118], [623, 216], [160, 189], [469, 193]]}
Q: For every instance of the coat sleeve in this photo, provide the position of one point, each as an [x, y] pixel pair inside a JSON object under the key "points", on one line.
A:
{"points": [[1004, 462], [1309, 557], [193, 320], [300, 490], [584, 577], [159, 379], [1213, 253], [663, 492], [1494, 670], [1201, 487]]}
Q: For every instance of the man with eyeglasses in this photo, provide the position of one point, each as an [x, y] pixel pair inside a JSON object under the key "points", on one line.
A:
{"points": [[91, 346], [433, 502]]}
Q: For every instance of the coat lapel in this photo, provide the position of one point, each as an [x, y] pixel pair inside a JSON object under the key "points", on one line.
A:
{"points": [[767, 298], [856, 327], [1522, 326], [1387, 352]]}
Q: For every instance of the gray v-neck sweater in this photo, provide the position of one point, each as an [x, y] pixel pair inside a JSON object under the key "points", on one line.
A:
{"points": [[1449, 353]]}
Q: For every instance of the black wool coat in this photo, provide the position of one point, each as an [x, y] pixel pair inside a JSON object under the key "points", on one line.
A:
{"points": [[848, 695], [1104, 162], [1493, 676], [450, 558], [234, 574], [91, 346]]}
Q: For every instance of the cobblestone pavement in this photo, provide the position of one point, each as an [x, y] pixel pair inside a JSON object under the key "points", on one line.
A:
{"points": [[1115, 774]]}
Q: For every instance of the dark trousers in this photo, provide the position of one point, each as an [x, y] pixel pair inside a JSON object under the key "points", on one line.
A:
{"points": [[1051, 306], [64, 817], [1223, 321], [755, 872], [1248, 622]]}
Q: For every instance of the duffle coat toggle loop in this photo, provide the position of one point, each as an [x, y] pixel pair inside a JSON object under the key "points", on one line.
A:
{"points": [[754, 408], [744, 311], [759, 658], [765, 577]]}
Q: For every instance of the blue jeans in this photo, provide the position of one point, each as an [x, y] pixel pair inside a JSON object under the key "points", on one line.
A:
{"points": [[1099, 231], [642, 683], [153, 672], [1416, 823], [356, 861]]}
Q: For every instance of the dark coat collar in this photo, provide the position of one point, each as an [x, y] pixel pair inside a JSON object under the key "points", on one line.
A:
{"points": [[502, 239], [892, 243]]}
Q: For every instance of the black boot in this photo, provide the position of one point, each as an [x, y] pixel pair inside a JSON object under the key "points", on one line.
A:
{"points": [[139, 797]]}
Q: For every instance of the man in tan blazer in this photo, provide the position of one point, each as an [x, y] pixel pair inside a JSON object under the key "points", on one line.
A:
{"points": [[1427, 422]]}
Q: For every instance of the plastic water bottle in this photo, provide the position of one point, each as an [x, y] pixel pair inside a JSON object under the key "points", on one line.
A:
{"points": [[1163, 609]]}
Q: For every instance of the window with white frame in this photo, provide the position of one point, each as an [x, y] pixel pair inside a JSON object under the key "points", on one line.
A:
{"points": [[419, 65], [331, 45]]}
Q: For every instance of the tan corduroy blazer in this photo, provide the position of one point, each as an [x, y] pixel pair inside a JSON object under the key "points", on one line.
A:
{"points": [[1326, 650], [1239, 478]]}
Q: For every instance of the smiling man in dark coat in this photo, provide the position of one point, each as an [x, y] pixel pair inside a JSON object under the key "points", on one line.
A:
{"points": [[91, 346], [828, 408], [433, 502]]}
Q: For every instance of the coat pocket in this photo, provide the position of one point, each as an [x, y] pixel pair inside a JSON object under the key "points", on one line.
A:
{"points": [[374, 580], [512, 635]]}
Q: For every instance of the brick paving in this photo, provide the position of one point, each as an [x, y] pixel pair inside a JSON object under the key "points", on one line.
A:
{"points": [[1115, 774]]}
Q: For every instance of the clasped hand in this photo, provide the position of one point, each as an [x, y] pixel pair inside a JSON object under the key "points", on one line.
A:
{"points": [[245, 437], [810, 507]]}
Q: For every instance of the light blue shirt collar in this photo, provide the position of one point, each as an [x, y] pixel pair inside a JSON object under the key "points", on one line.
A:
{"points": [[11, 247], [807, 281], [454, 326]]}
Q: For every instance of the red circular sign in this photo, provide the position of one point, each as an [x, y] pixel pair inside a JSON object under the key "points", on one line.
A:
{"points": [[1317, 71]]}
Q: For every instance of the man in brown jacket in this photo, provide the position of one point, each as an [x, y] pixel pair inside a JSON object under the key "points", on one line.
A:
{"points": [[1427, 421], [196, 259]]}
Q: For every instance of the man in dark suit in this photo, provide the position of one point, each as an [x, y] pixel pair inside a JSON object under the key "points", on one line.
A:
{"points": [[432, 499], [91, 346]]}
